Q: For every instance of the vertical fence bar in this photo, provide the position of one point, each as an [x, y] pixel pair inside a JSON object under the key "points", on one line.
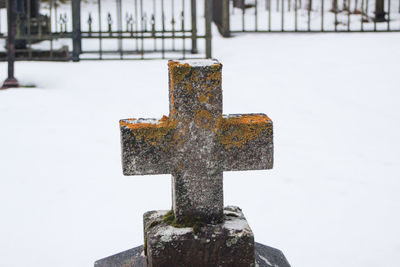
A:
{"points": [[183, 29], [256, 16], [243, 20], [153, 25], [208, 15], [119, 26], [348, 15], [335, 10], [173, 23], [11, 27], [226, 31], [388, 19], [163, 30], [38, 20], [29, 32], [269, 15], [362, 15], [141, 28], [56, 17], [309, 15], [283, 16], [136, 27], [100, 30], [322, 15], [50, 27], [375, 17], [76, 30], [194, 26], [295, 15]]}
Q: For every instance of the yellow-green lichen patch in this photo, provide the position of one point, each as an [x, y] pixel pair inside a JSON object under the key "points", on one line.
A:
{"points": [[152, 133], [187, 221], [238, 130]]}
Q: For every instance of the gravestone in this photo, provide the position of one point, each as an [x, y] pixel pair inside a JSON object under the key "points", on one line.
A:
{"points": [[196, 143]]}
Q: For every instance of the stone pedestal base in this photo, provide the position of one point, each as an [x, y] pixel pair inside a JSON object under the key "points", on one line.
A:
{"points": [[230, 243], [265, 257]]}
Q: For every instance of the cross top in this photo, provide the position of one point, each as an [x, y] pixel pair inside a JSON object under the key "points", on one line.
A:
{"points": [[196, 143]]}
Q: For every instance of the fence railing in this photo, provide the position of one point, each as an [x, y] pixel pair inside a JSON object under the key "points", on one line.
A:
{"points": [[234, 16], [104, 29]]}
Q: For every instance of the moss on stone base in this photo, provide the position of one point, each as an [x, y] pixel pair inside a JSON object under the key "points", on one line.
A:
{"points": [[188, 221]]}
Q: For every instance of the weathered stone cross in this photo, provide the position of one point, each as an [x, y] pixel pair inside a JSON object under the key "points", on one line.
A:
{"points": [[196, 143]]}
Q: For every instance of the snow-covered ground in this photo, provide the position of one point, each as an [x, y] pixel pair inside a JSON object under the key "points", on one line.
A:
{"points": [[332, 199]]}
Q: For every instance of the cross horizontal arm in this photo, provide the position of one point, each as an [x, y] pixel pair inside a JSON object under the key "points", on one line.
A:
{"points": [[246, 142], [146, 146]]}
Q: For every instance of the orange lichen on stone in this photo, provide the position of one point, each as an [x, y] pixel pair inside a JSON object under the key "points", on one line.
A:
{"points": [[203, 119], [178, 71], [152, 133], [237, 131], [214, 76], [203, 98]]}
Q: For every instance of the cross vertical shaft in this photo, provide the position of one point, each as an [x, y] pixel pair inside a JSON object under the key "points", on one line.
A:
{"points": [[196, 107]]}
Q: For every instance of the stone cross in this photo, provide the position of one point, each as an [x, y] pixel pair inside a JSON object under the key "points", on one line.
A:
{"points": [[196, 143]]}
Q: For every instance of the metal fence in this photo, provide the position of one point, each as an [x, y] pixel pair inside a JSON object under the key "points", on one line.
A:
{"points": [[108, 29], [234, 16]]}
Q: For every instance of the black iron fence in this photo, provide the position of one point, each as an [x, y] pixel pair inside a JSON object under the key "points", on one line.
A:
{"points": [[234, 16], [106, 29]]}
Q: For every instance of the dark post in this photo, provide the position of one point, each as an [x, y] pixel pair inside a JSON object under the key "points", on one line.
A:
{"points": [[208, 14], [11, 21], [194, 26], [379, 10], [76, 30], [225, 18], [220, 16]]}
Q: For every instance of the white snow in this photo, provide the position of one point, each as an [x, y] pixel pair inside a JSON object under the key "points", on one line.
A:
{"points": [[235, 224], [332, 199], [166, 233], [198, 62]]}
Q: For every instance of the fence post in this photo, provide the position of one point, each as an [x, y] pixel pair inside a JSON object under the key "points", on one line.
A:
{"points": [[220, 16], [11, 21], [208, 14], [225, 18], [76, 30], [194, 26], [379, 10]]}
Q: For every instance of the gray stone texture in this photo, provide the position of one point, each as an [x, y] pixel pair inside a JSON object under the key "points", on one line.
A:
{"points": [[130, 258], [230, 243], [196, 143], [265, 257]]}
